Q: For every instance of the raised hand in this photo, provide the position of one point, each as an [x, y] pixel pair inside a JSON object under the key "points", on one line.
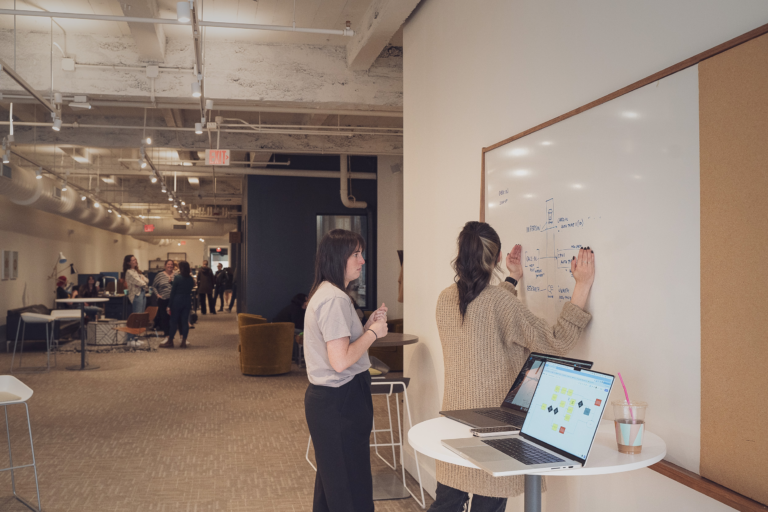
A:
{"points": [[514, 263], [583, 267]]}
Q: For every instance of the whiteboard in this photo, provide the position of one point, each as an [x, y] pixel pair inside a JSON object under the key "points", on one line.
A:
{"points": [[623, 179]]}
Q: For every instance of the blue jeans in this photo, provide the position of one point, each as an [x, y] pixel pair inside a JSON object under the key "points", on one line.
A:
{"points": [[448, 499], [138, 305]]}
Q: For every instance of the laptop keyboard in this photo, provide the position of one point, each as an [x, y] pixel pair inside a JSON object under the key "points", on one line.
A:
{"points": [[522, 451], [507, 418]]}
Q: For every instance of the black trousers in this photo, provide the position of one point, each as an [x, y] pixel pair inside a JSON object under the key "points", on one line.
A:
{"points": [[340, 422], [218, 293], [180, 318], [234, 296], [162, 320], [210, 302], [448, 499]]}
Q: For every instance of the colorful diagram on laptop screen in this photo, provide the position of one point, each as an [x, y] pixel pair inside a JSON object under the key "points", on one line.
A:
{"points": [[567, 407]]}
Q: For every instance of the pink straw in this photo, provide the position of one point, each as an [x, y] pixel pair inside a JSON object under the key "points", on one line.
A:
{"points": [[631, 413]]}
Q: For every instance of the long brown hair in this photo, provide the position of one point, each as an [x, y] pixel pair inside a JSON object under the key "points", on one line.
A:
{"points": [[479, 249], [127, 265], [332, 254]]}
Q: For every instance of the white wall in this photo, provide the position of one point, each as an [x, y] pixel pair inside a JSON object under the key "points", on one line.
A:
{"points": [[478, 72], [195, 250], [390, 232], [39, 237]]}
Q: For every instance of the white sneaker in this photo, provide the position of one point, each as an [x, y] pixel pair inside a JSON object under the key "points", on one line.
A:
{"points": [[165, 340], [131, 344]]}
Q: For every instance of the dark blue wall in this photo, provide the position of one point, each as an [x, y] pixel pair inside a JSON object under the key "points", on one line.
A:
{"points": [[281, 235]]}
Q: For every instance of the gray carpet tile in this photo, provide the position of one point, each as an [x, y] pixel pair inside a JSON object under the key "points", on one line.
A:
{"points": [[167, 431]]}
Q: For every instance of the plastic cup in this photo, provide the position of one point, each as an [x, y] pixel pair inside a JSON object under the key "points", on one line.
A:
{"points": [[629, 421]]}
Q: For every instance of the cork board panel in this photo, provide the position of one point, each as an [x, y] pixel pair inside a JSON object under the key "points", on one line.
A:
{"points": [[733, 99]]}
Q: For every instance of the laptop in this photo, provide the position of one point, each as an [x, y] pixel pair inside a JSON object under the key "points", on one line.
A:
{"points": [[515, 406], [559, 429]]}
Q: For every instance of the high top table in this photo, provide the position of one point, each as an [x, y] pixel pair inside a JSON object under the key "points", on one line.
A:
{"points": [[90, 300], [604, 458]]}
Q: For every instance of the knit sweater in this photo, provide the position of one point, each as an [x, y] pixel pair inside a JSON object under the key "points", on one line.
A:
{"points": [[483, 355]]}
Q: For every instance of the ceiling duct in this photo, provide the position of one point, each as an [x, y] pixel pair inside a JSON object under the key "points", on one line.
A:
{"points": [[171, 228]]}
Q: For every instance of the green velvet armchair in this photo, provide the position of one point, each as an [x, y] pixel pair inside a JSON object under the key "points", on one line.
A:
{"points": [[265, 349]]}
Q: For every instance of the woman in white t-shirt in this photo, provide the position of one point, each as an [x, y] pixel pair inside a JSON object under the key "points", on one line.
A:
{"points": [[337, 403]]}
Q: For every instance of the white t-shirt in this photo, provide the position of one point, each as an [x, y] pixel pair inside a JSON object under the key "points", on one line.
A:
{"points": [[330, 315]]}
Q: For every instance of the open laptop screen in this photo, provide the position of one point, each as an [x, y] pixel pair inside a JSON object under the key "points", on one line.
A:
{"points": [[566, 408], [520, 395]]}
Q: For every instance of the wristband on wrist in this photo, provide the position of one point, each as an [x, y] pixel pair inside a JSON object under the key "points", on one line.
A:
{"points": [[374, 333], [511, 280]]}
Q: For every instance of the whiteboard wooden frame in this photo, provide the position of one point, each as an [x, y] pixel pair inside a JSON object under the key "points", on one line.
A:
{"points": [[752, 34], [680, 475]]}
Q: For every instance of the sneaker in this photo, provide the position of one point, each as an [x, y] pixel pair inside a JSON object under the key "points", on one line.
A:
{"points": [[131, 344], [165, 340]]}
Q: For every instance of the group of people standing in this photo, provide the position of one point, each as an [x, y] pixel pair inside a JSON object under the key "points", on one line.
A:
{"points": [[216, 286]]}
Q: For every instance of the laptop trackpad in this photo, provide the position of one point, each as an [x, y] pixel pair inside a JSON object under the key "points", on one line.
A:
{"points": [[484, 454]]}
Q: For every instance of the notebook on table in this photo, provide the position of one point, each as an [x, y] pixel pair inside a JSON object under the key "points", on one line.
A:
{"points": [[515, 406], [558, 431]]}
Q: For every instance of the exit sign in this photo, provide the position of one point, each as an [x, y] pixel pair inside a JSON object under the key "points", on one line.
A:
{"points": [[148, 228], [216, 157]]}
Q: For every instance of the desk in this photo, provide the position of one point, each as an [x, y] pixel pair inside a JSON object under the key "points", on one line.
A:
{"points": [[604, 457], [395, 339], [90, 300]]}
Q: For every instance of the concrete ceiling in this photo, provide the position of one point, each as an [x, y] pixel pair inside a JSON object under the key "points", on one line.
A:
{"points": [[274, 93]]}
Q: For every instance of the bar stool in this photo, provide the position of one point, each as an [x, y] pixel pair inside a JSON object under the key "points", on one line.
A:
{"points": [[33, 318], [12, 392], [382, 386]]}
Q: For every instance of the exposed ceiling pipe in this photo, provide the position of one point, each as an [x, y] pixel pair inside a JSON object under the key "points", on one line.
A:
{"points": [[221, 104], [205, 171], [24, 85], [44, 194], [348, 132], [169, 21], [345, 197], [171, 228]]}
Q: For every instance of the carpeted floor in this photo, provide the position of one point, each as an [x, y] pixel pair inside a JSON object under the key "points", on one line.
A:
{"points": [[166, 431]]}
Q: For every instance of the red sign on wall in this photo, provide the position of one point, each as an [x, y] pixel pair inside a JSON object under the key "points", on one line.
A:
{"points": [[148, 228], [216, 157]]}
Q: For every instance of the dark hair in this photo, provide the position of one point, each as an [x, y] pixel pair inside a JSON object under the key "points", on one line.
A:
{"points": [[299, 299], [184, 268], [332, 254], [479, 249], [127, 264]]}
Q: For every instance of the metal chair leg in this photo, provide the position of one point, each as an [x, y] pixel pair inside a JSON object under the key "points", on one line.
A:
{"points": [[34, 464], [18, 326], [10, 454], [309, 443]]}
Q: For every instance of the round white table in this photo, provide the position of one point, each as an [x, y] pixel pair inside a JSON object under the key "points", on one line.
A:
{"points": [[604, 457], [83, 365]]}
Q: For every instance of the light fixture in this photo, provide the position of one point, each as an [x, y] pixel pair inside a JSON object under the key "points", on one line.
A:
{"points": [[176, 207], [197, 90], [56, 124], [96, 203], [201, 240], [183, 12], [80, 102], [208, 104], [57, 97], [198, 128], [7, 157], [153, 179], [143, 164], [179, 244], [119, 216], [64, 188], [164, 189], [183, 203], [62, 258], [149, 141], [83, 198], [109, 210], [188, 223], [39, 173], [170, 197]]}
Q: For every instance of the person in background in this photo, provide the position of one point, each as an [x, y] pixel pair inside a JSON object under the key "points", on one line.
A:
{"points": [[337, 403], [294, 312], [180, 305], [61, 293], [162, 286], [228, 284], [234, 275], [137, 284], [88, 290], [487, 333], [219, 282], [205, 287]]}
